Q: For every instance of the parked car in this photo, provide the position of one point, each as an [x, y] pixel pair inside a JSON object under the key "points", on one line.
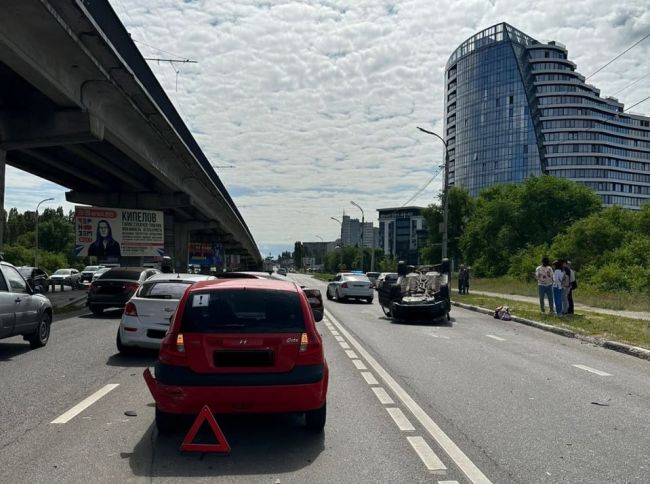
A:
{"points": [[88, 272], [147, 315], [282, 271], [390, 276], [241, 345], [114, 288], [97, 274], [22, 310], [37, 278], [66, 277], [373, 277], [348, 285]]}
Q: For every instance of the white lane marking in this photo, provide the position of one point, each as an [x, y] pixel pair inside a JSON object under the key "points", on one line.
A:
{"points": [[359, 364], [334, 332], [495, 337], [344, 345], [439, 336], [84, 404], [383, 396], [351, 354], [339, 338], [400, 419], [369, 377], [447, 482], [427, 454], [592, 370], [463, 462]]}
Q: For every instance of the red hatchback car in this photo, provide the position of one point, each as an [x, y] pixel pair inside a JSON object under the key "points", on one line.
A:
{"points": [[241, 346]]}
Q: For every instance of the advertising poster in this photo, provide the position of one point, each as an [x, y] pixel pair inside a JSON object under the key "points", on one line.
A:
{"points": [[111, 233], [210, 254]]}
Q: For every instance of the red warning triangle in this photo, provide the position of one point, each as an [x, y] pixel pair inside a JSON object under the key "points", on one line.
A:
{"points": [[221, 447]]}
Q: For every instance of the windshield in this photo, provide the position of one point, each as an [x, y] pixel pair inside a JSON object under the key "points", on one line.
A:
{"points": [[25, 271], [356, 278], [62, 272], [90, 268], [164, 289], [243, 311]]}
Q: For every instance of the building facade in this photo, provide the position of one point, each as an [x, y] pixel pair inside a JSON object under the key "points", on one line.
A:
{"points": [[351, 232], [516, 107], [402, 232]]}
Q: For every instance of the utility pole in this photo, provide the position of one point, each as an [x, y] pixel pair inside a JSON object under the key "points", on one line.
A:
{"points": [[341, 246]]}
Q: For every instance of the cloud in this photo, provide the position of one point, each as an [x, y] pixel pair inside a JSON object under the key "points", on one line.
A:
{"points": [[316, 103]]}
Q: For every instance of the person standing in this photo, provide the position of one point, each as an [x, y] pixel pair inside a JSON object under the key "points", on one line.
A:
{"points": [[574, 285], [558, 275], [461, 279], [566, 286], [544, 278]]}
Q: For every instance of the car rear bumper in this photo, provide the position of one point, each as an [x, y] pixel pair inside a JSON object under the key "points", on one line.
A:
{"points": [[144, 336], [357, 292], [108, 301], [237, 398]]}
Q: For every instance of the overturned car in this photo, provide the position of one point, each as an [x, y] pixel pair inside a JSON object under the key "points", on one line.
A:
{"points": [[419, 294]]}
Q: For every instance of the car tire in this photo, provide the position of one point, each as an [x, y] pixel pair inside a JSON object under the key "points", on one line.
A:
{"points": [[369, 300], [339, 298], [122, 348], [329, 296], [97, 311], [41, 335], [315, 419], [167, 423]]}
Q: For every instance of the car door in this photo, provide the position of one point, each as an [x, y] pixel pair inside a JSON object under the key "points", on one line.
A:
{"points": [[25, 307], [7, 311]]}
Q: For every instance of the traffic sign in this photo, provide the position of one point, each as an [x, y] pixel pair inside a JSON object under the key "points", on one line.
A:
{"points": [[221, 446]]}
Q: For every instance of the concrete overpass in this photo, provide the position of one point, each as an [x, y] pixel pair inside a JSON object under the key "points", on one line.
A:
{"points": [[80, 107]]}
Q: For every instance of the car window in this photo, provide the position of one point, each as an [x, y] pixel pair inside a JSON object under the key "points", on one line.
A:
{"points": [[16, 281], [164, 289], [239, 311], [356, 278], [3, 283], [62, 272], [338, 277], [121, 274]]}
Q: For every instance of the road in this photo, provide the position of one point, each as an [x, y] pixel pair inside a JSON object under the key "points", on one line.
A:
{"points": [[476, 400]]}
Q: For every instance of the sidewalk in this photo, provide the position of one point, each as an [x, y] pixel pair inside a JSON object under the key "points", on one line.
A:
{"points": [[582, 307]]}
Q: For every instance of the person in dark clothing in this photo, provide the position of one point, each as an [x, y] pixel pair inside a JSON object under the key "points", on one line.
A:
{"points": [[104, 245], [573, 285], [463, 280]]}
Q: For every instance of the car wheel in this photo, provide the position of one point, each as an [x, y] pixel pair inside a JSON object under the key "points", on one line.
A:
{"points": [[122, 348], [97, 311], [315, 419], [41, 335], [339, 298], [167, 423], [329, 296], [369, 300]]}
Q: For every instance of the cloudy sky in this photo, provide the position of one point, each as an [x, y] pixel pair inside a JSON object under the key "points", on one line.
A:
{"points": [[306, 105]]}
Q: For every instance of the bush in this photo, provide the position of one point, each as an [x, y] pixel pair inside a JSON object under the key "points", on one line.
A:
{"points": [[524, 262], [610, 277]]}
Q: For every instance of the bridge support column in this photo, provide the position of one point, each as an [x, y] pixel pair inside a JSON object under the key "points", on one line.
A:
{"points": [[181, 243], [3, 161]]}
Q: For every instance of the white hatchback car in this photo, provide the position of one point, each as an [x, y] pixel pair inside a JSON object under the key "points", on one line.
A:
{"points": [[348, 285], [148, 313]]}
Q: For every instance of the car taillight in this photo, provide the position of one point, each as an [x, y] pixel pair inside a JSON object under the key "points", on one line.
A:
{"points": [[311, 349], [344, 285], [131, 287], [130, 309], [93, 286], [172, 350]]}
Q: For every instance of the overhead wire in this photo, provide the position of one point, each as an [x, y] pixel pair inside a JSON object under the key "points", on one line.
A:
{"points": [[632, 84], [619, 55], [424, 187], [642, 100]]}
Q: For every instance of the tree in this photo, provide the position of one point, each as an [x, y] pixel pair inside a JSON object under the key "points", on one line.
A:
{"points": [[298, 252]]}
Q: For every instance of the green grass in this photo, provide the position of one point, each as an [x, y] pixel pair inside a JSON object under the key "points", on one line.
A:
{"points": [[629, 301], [322, 276], [626, 330]]}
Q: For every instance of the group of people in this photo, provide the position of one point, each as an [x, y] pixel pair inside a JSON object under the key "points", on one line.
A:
{"points": [[556, 282]]}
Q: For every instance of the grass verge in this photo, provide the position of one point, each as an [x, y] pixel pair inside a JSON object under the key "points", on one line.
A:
{"points": [[589, 296], [625, 330]]}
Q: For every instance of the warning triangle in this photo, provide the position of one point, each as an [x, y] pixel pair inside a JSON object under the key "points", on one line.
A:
{"points": [[205, 415]]}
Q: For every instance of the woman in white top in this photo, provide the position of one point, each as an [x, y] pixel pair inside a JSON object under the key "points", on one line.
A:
{"points": [[558, 274]]}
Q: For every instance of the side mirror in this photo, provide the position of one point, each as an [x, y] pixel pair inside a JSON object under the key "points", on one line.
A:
{"points": [[315, 299]]}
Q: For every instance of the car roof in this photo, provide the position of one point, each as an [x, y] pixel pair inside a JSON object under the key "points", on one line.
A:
{"points": [[246, 283], [180, 277]]}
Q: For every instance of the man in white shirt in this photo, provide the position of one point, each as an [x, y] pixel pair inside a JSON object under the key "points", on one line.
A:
{"points": [[544, 278]]}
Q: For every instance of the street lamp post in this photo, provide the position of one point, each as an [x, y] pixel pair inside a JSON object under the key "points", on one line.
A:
{"points": [[445, 197], [363, 219], [36, 232], [341, 246]]}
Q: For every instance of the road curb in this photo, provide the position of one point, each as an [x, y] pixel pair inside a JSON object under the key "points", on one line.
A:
{"points": [[608, 344]]}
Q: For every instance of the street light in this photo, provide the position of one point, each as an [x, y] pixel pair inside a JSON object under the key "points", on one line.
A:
{"points": [[363, 219], [341, 246], [445, 198], [36, 235]]}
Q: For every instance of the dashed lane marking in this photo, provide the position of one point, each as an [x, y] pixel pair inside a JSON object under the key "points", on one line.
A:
{"points": [[495, 337], [351, 354], [84, 404], [425, 453], [339, 338], [359, 364], [344, 345], [400, 419], [383, 396], [447, 482], [592, 370], [369, 377], [471, 471]]}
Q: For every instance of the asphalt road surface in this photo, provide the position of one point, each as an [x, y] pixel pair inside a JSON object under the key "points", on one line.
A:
{"points": [[474, 400]]}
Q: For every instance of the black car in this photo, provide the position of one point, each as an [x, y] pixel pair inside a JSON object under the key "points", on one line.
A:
{"points": [[37, 278], [115, 287]]}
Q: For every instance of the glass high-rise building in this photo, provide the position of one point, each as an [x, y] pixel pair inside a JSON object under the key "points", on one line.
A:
{"points": [[516, 107]]}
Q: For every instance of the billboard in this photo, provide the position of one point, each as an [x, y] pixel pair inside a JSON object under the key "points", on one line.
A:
{"points": [[111, 233], [209, 254]]}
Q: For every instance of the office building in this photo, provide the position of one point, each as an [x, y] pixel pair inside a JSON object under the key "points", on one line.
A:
{"points": [[516, 107], [402, 232], [351, 232]]}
